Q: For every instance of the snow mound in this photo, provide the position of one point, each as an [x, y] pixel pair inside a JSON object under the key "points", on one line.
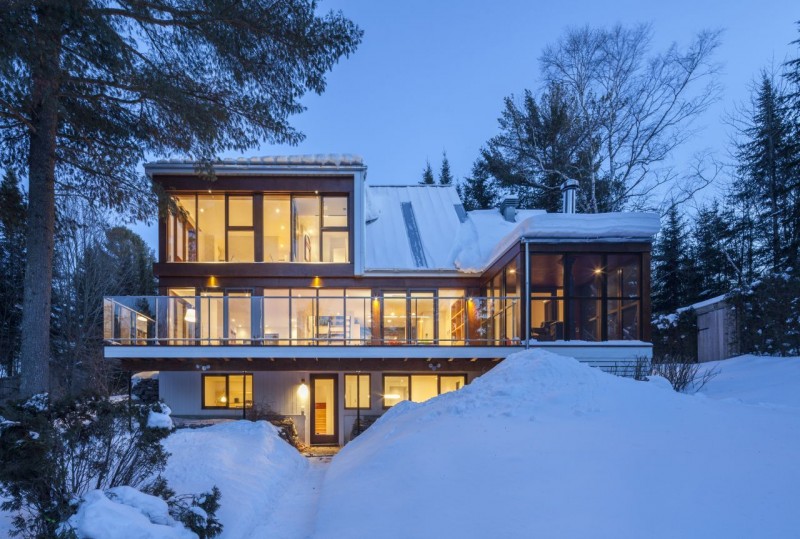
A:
{"points": [[762, 380], [123, 513], [160, 420], [545, 446], [248, 461]]}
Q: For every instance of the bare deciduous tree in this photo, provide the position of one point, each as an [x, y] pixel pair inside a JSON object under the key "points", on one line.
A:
{"points": [[633, 108]]}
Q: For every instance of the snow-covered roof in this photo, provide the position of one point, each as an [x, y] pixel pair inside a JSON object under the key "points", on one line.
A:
{"points": [[331, 159], [424, 227], [259, 164], [411, 227], [703, 304]]}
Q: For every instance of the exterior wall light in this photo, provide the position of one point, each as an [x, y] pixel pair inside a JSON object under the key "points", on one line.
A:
{"points": [[302, 391]]}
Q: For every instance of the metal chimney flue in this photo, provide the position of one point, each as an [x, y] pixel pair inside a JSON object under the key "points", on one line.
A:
{"points": [[508, 208], [568, 192]]}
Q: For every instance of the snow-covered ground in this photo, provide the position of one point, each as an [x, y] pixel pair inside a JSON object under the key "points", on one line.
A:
{"points": [[756, 380], [543, 446], [540, 446]]}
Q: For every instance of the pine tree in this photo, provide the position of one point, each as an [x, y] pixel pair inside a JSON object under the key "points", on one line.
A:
{"points": [[427, 175], [767, 179], [445, 176], [479, 191], [671, 265], [711, 234], [88, 89], [12, 266]]}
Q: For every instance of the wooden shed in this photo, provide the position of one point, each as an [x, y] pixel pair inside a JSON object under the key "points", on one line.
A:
{"points": [[716, 329]]}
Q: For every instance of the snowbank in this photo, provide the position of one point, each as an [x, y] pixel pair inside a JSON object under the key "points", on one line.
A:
{"points": [[756, 380], [249, 462], [544, 446], [123, 513], [160, 420]]}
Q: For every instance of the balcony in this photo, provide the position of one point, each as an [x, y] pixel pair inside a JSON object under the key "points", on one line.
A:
{"points": [[238, 319]]}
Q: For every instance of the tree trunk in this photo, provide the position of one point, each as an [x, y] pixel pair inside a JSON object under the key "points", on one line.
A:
{"points": [[35, 333]]}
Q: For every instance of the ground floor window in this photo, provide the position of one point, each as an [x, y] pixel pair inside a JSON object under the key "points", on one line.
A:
{"points": [[227, 390], [357, 391], [418, 387]]}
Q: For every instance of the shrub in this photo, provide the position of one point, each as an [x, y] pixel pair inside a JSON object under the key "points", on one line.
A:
{"points": [[51, 454], [683, 373]]}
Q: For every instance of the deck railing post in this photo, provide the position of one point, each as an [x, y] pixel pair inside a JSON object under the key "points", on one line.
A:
{"points": [[527, 298]]}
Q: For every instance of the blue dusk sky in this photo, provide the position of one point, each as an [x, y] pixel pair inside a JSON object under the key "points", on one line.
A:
{"points": [[431, 76]]}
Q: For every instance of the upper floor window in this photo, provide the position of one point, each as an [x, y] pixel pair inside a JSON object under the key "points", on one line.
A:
{"points": [[306, 228], [225, 228]]}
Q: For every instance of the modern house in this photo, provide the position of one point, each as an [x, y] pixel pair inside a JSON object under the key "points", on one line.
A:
{"points": [[290, 283]]}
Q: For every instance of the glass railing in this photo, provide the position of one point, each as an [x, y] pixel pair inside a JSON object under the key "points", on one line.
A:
{"points": [[214, 320]]}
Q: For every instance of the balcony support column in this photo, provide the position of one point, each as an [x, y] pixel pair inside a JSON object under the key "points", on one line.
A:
{"points": [[527, 296]]}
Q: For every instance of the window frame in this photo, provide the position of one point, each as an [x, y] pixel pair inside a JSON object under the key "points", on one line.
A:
{"points": [[570, 299], [369, 391], [410, 378], [240, 228], [227, 376]]}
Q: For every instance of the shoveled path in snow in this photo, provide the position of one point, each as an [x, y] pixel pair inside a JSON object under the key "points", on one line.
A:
{"points": [[296, 513]]}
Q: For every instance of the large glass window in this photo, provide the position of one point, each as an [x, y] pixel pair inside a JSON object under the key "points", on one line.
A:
{"points": [[211, 232], [357, 391], [239, 317], [277, 228], [394, 317], [359, 315], [424, 387], [306, 228], [212, 317], [547, 295], [227, 390], [452, 316], [422, 320], [276, 317], [182, 315], [623, 291], [333, 325], [395, 389], [589, 297], [220, 227], [303, 315], [418, 387], [241, 234]]}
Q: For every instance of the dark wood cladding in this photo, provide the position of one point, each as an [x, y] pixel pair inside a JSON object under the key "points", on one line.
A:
{"points": [[252, 184], [598, 247], [348, 364], [268, 270], [304, 281]]}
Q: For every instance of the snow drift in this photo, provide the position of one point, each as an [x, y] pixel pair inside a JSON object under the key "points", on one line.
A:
{"points": [[249, 462], [544, 446]]}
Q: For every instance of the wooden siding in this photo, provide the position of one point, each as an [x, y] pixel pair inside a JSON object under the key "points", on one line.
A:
{"points": [[716, 332]]}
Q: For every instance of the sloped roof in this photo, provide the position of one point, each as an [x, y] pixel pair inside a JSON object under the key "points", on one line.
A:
{"points": [[390, 241], [424, 227]]}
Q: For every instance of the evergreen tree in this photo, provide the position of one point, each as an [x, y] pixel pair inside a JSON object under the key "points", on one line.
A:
{"points": [[88, 88], [427, 175], [672, 266], [445, 176], [479, 191], [714, 274], [12, 266], [538, 148], [767, 180]]}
